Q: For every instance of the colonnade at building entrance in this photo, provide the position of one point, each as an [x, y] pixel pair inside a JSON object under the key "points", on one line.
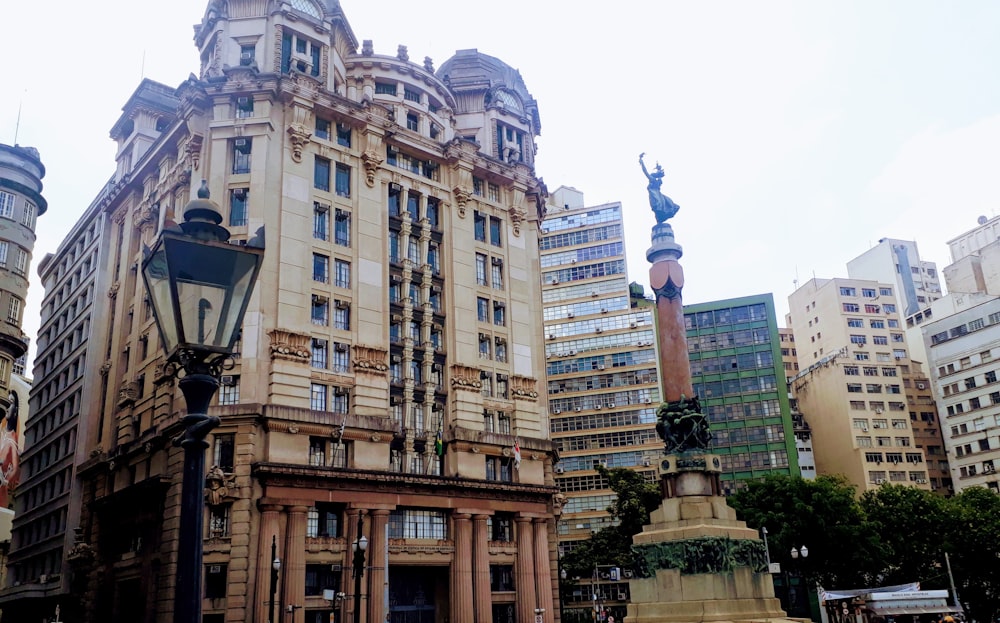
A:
{"points": [[408, 576]]}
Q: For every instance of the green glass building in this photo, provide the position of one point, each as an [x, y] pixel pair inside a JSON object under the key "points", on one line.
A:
{"points": [[737, 372]]}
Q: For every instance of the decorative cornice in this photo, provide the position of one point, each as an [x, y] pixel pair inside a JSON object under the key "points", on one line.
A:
{"points": [[299, 136], [523, 387], [371, 359], [290, 346], [465, 377]]}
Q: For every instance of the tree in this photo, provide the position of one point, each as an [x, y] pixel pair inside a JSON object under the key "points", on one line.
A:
{"points": [[634, 500], [909, 522], [971, 538], [823, 514]]}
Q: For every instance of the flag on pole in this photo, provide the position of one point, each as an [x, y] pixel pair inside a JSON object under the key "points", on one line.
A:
{"points": [[439, 444], [517, 453]]}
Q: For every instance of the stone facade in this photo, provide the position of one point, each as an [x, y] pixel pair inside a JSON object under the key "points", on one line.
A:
{"points": [[359, 348]]}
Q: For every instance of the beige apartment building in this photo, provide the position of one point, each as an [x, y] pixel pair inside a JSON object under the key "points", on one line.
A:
{"points": [[394, 198], [852, 385]]}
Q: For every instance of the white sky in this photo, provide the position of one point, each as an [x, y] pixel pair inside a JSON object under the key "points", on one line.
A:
{"points": [[794, 135]]}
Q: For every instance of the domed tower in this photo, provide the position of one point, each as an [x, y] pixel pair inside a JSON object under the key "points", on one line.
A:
{"points": [[21, 201]]}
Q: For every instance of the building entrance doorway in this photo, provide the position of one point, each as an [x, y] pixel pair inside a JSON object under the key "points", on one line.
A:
{"points": [[418, 594]]}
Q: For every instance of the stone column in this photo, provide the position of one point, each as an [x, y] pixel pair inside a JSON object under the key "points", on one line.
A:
{"points": [[293, 565], [461, 570], [667, 279], [482, 595], [525, 570], [543, 568], [377, 560], [269, 529]]}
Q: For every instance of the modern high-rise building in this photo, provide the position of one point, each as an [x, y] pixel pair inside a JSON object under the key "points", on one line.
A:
{"points": [[395, 201], [738, 372], [855, 384], [600, 354], [70, 349]]}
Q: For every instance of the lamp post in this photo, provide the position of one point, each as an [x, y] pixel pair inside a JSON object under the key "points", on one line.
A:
{"points": [[275, 567], [767, 550], [796, 552], [199, 286], [359, 546]]}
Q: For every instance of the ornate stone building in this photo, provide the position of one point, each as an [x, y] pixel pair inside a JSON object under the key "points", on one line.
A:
{"points": [[393, 198]]}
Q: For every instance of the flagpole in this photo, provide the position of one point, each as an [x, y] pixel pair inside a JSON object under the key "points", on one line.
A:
{"points": [[340, 441]]}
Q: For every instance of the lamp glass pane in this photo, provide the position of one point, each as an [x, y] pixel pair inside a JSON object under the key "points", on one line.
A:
{"points": [[157, 279]]}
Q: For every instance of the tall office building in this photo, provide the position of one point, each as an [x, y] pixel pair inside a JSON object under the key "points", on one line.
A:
{"points": [[395, 200], [855, 384], [800, 427], [70, 351], [600, 353], [738, 372]]}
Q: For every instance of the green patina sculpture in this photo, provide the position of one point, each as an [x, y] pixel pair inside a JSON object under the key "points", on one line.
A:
{"points": [[682, 426], [700, 555]]}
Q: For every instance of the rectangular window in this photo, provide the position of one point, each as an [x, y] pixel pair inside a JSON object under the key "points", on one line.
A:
{"points": [[851, 307], [321, 221], [14, 310], [503, 386], [224, 451], [21, 262], [238, 207], [343, 180], [500, 349], [322, 129], [241, 155], [342, 316], [417, 524], [492, 192], [433, 212], [499, 314], [244, 107], [4, 245], [859, 339], [321, 268], [317, 449], [320, 311], [872, 309], [215, 581], [7, 204], [479, 225], [342, 275], [343, 135], [317, 402], [880, 340], [496, 273], [495, 239], [857, 323], [229, 390], [481, 269], [848, 292], [28, 218], [385, 88], [341, 400], [868, 293], [320, 353], [218, 520], [321, 173], [342, 228], [483, 309]]}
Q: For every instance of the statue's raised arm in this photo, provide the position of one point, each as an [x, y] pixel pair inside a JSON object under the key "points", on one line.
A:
{"points": [[663, 207]]}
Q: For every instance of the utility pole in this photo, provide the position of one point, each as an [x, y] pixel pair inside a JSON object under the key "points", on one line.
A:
{"points": [[951, 578]]}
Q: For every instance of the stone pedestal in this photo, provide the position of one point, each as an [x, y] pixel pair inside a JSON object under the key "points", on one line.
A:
{"points": [[696, 561]]}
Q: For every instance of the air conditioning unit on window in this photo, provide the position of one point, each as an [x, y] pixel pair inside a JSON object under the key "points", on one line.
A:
{"points": [[560, 469], [921, 386], [341, 348], [343, 304], [622, 596], [880, 481], [227, 379], [246, 58]]}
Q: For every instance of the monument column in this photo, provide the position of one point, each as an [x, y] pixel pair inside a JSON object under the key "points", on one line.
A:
{"points": [[525, 570], [377, 560], [543, 568], [461, 570], [269, 529], [482, 595], [293, 564]]}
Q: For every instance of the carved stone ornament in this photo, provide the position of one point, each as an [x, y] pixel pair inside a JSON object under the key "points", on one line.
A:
{"points": [[128, 393], [464, 377], [290, 346], [299, 136], [462, 196], [523, 387], [516, 210], [193, 150], [371, 161], [371, 360], [218, 486], [105, 368]]}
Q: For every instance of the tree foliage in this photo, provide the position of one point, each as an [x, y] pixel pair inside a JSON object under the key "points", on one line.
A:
{"points": [[973, 541], [612, 545]]}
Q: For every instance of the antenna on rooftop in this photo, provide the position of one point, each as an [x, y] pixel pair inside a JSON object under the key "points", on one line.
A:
{"points": [[17, 126]]}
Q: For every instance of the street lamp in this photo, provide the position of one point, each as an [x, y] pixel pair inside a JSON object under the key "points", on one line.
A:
{"points": [[359, 546], [199, 287], [767, 550], [275, 567], [802, 550]]}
